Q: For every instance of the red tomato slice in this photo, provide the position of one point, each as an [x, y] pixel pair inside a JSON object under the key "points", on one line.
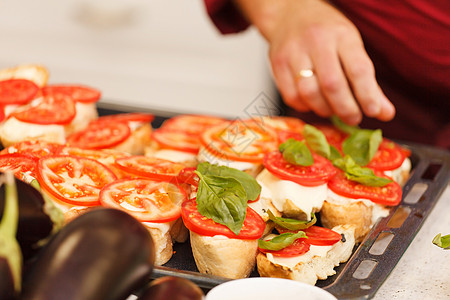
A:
{"points": [[127, 117], [51, 109], [19, 164], [240, 140], [78, 93], [283, 123], [17, 91], [390, 194], [318, 173], [188, 176], [2, 113], [176, 140], [191, 124], [283, 136], [297, 248], [36, 148], [150, 167], [252, 229], [389, 156], [74, 180], [100, 135], [147, 200], [318, 236]]}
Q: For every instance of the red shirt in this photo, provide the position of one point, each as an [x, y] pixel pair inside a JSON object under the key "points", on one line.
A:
{"points": [[409, 44]]}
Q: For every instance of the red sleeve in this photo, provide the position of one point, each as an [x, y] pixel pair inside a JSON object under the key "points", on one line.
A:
{"points": [[225, 16]]}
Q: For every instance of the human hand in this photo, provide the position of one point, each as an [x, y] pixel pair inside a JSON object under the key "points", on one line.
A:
{"points": [[313, 35]]}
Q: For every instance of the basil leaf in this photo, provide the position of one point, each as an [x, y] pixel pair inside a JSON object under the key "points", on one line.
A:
{"points": [[339, 124], [334, 153], [354, 172], [296, 153], [316, 140], [250, 185], [222, 199], [442, 241], [362, 145], [281, 241], [292, 224]]}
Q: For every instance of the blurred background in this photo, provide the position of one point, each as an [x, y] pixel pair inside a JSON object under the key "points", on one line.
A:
{"points": [[159, 55]]}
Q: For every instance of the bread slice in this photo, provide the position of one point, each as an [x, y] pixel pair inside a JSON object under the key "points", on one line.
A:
{"points": [[164, 235], [36, 73], [222, 256], [361, 213], [139, 139], [13, 131], [313, 265]]}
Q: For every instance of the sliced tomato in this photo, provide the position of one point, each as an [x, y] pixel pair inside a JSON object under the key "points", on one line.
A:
{"points": [[17, 91], [283, 136], [252, 229], [176, 140], [390, 194], [100, 135], [191, 124], [389, 156], [36, 148], [2, 113], [72, 179], [80, 93], [20, 164], [297, 248], [150, 167], [318, 236], [127, 117], [240, 140], [283, 123], [187, 175], [145, 199], [50, 109], [318, 173]]}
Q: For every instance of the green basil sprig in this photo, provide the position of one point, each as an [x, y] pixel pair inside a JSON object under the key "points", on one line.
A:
{"points": [[355, 172], [362, 145], [281, 241], [296, 152], [442, 241], [223, 193], [250, 185], [318, 142], [343, 126], [292, 224]]}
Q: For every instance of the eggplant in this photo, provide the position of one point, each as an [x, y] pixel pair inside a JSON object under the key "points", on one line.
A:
{"points": [[38, 218], [103, 254], [172, 288], [10, 254]]}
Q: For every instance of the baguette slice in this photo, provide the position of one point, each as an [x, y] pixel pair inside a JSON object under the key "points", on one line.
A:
{"points": [[164, 235], [310, 266], [225, 257], [139, 139], [36, 73]]}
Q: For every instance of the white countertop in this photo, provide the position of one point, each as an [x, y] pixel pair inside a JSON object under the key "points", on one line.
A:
{"points": [[423, 272]]}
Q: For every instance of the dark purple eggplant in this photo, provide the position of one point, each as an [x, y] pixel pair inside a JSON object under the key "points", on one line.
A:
{"points": [[102, 254], [172, 288], [37, 219], [10, 254]]}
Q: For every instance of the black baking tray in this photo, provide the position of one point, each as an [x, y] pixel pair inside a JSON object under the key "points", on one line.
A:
{"points": [[372, 260]]}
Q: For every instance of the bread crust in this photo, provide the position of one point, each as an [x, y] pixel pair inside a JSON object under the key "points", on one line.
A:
{"points": [[229, 258], [355, 213], [137, 141], [36, 73], [163, 245], [315, 267]]}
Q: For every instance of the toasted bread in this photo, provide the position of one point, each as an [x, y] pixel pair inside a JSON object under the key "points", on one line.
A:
{"points": [[312, 265]]}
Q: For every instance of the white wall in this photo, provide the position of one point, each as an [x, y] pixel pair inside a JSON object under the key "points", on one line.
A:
{"points": [[150, 54]]}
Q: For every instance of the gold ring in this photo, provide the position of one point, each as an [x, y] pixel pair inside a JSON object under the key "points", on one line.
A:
{"points": [[305, 73]]}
